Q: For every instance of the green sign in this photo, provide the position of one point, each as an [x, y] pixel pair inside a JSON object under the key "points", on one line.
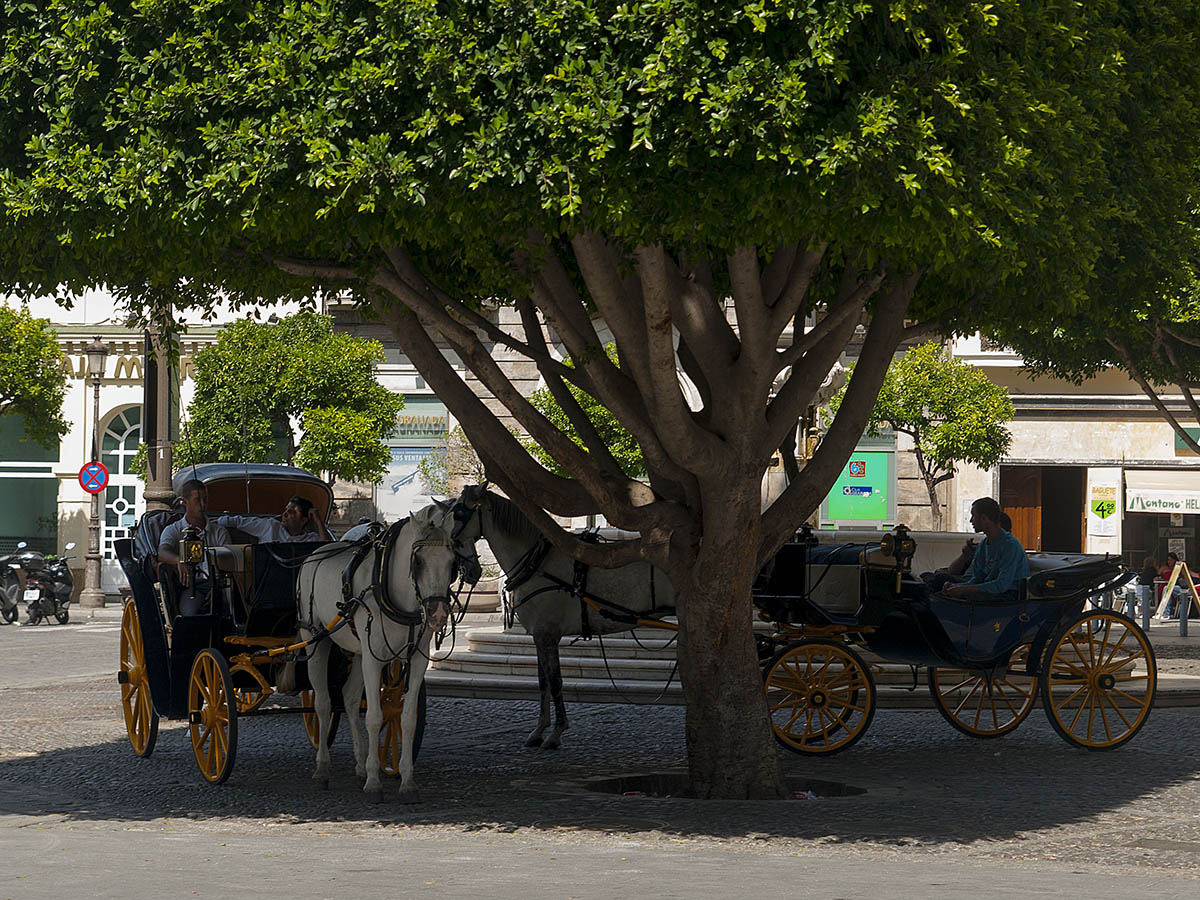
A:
{"points": [[1104, 508], [863, 490]]}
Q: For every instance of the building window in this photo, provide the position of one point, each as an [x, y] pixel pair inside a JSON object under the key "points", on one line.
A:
{"points": [[123, 497]]}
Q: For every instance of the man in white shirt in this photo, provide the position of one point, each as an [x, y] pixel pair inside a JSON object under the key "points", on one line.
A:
{"points": [[194, 598], [299, 522]]}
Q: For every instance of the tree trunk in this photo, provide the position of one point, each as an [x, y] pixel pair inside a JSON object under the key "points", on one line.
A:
{"points": [[934, 505], [731, 748]]}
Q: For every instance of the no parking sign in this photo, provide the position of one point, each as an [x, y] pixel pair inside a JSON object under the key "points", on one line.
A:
{"points": [[93, 477]]}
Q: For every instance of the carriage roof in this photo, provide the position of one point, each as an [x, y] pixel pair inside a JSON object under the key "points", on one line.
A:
{"points": [[256, 488]]}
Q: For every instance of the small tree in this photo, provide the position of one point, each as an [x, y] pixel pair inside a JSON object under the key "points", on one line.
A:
{"points": [[950, 410], [32, 383], [622, 445], [260, 378], [451, 465]]}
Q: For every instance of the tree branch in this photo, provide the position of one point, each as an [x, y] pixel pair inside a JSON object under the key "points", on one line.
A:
{"points": [[1136, 373], [822, 470]]}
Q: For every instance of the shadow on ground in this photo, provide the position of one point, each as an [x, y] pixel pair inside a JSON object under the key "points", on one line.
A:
{"points": [[925, 783]]}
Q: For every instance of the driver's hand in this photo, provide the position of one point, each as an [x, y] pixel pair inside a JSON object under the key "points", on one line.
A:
{"points": [[183, 574]]}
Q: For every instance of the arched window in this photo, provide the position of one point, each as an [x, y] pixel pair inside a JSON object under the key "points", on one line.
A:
{"points": [[123, 497]]}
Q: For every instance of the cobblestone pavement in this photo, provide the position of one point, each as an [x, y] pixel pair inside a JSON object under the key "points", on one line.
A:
{"points": [[930, 792]]}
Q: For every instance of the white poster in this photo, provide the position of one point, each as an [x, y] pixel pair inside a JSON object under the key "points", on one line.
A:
{"points": [[1176, 546], [401, 491]]}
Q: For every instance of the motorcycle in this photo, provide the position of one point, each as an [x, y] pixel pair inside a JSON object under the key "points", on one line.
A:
{"points": [[48, 584]]}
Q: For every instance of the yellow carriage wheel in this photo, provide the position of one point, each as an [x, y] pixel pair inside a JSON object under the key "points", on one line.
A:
{"points": [[1099, 680], [820, 696], [212, 715], [985, 704], [141, 721]]}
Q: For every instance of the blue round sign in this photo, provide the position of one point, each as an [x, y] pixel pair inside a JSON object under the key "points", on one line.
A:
{"points": [[93, 477]]}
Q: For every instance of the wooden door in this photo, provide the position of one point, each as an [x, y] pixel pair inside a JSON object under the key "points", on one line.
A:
{"points": [[1021, 498]]}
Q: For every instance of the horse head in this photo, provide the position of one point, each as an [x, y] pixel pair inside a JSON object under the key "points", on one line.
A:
{"points": [[466, 513], [433, 563]]}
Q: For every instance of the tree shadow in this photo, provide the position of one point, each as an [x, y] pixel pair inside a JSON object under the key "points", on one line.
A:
{"points": [[925, 783]]}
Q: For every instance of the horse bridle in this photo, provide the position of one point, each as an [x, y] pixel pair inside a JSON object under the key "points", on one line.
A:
{"points": [[468, 566]]}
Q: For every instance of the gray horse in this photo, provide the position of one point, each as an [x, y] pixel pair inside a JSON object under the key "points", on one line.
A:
{"points": [[545, 586]]}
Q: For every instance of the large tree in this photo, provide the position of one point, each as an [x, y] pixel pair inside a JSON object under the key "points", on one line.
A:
{"points": [[32, 382], [261, 381], [687, 178]]}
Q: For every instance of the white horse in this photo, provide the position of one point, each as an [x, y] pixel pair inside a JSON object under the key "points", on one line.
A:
{"points": [[545, 586], [414, 581]]}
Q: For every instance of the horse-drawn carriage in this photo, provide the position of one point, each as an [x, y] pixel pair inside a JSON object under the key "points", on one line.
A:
{"points": [[215, 668], [987, 661]]}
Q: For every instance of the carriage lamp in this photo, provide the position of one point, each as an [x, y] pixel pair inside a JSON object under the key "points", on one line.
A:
{"points": [[191, 546], [900, 544]]}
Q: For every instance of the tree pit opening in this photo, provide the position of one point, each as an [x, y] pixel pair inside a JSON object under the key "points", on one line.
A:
{"points": [[668, 785]]}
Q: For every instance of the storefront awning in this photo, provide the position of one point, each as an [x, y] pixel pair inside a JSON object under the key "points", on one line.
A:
{"points": [[1163, 490]]}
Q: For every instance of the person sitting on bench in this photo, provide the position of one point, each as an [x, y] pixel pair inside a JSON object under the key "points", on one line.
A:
{"points": [[956, 572], [1000, 562]]}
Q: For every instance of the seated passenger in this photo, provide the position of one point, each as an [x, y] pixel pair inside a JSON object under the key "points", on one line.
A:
{"points": [[999, 563], [193, 598], [955, 573], [299, 522]]}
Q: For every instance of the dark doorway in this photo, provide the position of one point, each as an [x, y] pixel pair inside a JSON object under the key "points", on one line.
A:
{"points": [[1046, 505]]}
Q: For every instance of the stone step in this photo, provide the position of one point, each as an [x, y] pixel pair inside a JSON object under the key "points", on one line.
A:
{"points": [[1173, 690], [524, 664], [647, 645]]}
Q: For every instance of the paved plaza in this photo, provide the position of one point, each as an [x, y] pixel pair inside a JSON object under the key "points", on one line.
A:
{"points": [[942, 815]]}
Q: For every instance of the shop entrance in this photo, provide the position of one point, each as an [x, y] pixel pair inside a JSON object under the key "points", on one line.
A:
{"points": [[1046, 505]]}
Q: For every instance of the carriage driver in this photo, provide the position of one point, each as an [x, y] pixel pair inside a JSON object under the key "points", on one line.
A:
{"points": [[299, 522], [1000, 562], [193, 598]]}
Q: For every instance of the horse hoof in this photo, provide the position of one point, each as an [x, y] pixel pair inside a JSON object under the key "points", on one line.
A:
{"points": [[551, 745], [534, 742], [322, 782], [412, 795], [375, 796]]}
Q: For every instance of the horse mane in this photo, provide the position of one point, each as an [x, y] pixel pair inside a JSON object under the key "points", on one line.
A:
{"points": [[509, 518]]}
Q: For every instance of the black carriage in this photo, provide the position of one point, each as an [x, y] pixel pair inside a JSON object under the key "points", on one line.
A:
{"points": [[216, 668], [987, 662]]}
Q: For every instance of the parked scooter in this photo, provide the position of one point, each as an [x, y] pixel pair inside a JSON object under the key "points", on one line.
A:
{"points": [[48, 584], [10, 589]]}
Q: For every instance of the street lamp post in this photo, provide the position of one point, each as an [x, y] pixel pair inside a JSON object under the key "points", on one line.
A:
{"points": [[92, 594]]}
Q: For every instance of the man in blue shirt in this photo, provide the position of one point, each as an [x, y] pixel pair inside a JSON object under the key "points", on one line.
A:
{"points": [[1000, 562]]}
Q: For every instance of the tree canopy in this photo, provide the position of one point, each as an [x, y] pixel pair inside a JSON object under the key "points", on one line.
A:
{"points": [[952, 412], [685, 178], [32, 382], [258, 379]]}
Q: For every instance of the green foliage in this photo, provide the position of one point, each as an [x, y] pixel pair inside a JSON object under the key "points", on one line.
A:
{"points": [[451, 466], [259, 378], [973, 139], [621, 444], [953, 413], [32, 382]]}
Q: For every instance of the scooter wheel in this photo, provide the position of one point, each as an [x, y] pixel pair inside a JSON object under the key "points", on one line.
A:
{"points": [[63, 616], [11, 615]]}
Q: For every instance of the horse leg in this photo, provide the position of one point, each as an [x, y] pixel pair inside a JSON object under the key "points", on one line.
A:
{"points": [[554, 681], [318, 674], [352, 693], [408, 723], [535, 736], [372, 671]]}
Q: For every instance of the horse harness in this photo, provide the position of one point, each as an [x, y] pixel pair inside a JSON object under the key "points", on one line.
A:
{"points": [[530, 565]]}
